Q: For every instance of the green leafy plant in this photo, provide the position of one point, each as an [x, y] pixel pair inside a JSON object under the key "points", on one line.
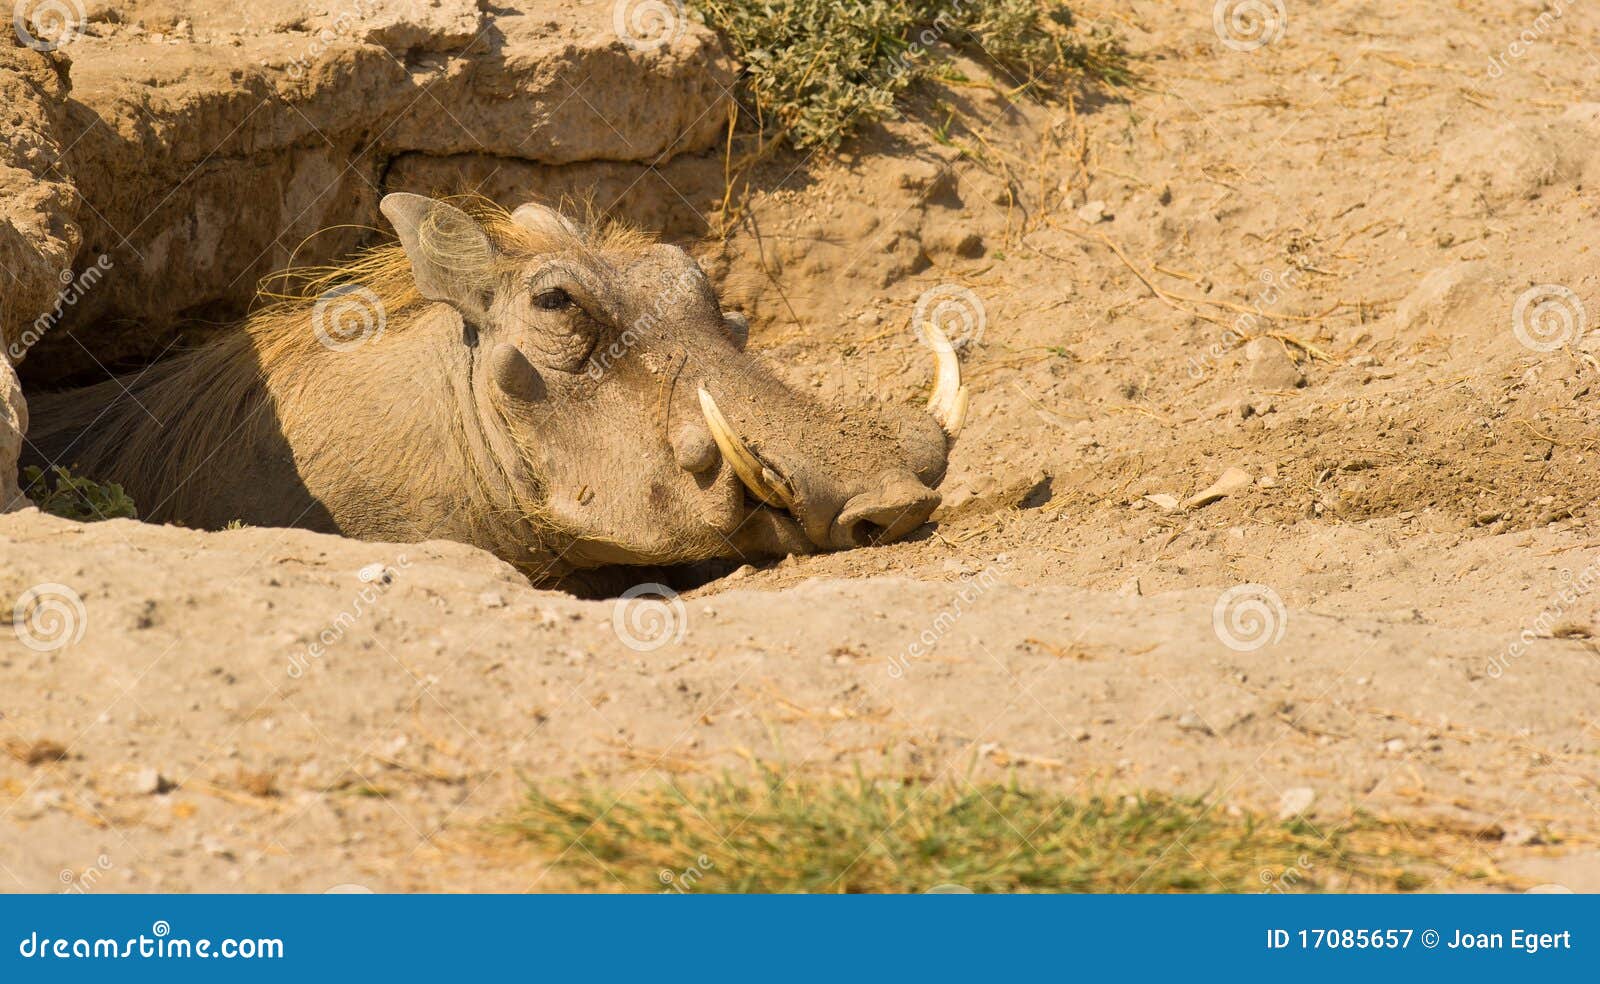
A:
{"points": [[72, 497], [816, 70]]}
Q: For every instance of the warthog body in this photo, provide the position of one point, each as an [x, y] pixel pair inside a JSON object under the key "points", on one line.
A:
{"points": [[563, 397]]}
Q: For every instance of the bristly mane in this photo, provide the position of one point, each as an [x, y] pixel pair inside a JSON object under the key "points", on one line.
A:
{"points": [[286, 295]]}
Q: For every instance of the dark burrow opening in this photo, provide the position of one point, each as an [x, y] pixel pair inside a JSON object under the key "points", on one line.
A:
{"points": [[603, 583]]}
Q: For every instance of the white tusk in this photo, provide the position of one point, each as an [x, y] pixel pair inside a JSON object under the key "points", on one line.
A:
{"points": [[763, 482], [958, 414], [948, 404]]}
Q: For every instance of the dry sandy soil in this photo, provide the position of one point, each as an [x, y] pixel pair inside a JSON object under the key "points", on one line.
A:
{"points": [[1350, 257]]}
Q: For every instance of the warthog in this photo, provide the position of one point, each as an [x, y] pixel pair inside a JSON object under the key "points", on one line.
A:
{"points": [[563, 396]]}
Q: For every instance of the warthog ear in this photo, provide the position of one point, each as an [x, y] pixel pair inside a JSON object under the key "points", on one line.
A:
{"points": [[545, 221], [449, 252]]}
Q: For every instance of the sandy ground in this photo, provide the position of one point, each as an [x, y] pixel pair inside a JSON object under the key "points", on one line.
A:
{"points": [[1390, 611]]}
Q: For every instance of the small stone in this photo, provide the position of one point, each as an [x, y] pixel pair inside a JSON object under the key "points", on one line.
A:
{"points": [[149, 782], [1080, 734], [1192, 722], [1354, 335], [1271, 368], [1130, 588], [1165, 501], [1295, 801], [215, 847], [1231, 481], [1520, 835], [492, 599], [1394, 746], [1093, 212]]}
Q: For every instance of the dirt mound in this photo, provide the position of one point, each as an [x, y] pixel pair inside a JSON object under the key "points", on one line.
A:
{"points": [[268, 709]]}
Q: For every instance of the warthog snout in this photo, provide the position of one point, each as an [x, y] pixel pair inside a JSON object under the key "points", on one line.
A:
{"points": [[868, 482], [898, 504]]}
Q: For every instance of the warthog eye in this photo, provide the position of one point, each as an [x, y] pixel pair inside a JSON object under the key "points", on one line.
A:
{"points": [[554, 299]]}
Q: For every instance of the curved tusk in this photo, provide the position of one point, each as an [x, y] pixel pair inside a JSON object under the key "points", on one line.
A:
{"points": [[948, 404], [763, 482]]}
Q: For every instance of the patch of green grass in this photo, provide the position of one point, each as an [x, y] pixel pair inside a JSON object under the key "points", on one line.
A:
{"points": [[72, 497], [820, 835], [816, 70]]}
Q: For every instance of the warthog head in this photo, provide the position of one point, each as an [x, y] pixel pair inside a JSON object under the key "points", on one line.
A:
{"points": [[564, 397], [615, 384]]}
